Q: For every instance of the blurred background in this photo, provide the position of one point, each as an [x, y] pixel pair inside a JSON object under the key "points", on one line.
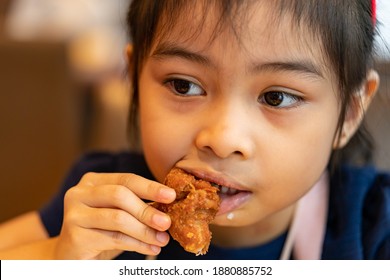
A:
{"points": [[63, 92]]}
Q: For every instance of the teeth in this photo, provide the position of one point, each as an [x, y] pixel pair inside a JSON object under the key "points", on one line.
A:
{"points": [[224, 190], [232, 191], [228, 191]]}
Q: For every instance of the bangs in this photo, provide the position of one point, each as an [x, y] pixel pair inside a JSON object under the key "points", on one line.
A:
{"points": [[185, 21]]}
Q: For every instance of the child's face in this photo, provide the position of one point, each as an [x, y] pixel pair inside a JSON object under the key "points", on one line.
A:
{"points": [[258, 114]]}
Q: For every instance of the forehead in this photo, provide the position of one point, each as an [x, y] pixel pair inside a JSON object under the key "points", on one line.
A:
{"points": [[254, 27]]}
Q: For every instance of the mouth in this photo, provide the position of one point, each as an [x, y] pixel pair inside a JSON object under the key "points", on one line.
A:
{"points": [[225, 186], [232, 194], [223, 190]]}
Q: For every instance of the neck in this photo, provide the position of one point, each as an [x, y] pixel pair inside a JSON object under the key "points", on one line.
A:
{"points": [[256, 234]]}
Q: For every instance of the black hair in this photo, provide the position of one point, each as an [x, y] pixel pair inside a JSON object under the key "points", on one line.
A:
{"points": [[345, 30]]}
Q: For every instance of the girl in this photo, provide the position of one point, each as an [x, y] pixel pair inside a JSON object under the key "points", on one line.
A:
{"points": [[257, 96]]}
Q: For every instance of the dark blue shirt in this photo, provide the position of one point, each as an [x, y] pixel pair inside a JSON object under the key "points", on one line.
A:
{"points": [[358, 225]]}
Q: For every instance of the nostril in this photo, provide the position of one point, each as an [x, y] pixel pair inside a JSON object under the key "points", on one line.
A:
{"points": [[238, 153], [224, 142]]}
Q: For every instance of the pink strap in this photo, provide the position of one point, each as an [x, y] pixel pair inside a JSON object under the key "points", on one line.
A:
{"points": [[307, 231]]}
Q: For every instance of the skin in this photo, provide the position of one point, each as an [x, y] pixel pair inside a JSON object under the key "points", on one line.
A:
{"points": [[221, 129]]}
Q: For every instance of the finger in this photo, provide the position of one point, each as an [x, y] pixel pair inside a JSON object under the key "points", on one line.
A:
{"points": [[119, 197], [142, 187], [120, 221], [97, 241], [120, 241]]}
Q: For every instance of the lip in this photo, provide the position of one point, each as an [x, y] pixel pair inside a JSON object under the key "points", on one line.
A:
{"points": [[217, 178], [233, 202], [229, 203]]}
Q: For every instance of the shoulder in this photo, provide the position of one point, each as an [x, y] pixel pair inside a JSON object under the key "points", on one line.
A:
{"points": [[361, 186], [359, 212], [376, 217]]}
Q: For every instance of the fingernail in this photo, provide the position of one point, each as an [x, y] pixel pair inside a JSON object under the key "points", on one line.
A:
{"points": [[167, 194], [162, 237], [162, 221], [155, 249]]}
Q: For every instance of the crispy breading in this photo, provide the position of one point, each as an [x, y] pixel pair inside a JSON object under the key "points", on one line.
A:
{"points": [[197, 203]]}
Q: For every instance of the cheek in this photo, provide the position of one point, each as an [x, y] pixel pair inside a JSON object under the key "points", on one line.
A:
{"points": [[297, 162], [313, 148], [162, 136], [156, 143]]}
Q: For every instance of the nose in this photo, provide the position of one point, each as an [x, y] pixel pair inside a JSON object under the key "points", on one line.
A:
{"points": [[226, 132]]}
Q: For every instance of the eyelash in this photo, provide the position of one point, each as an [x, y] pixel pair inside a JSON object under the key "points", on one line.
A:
{"points": [[294, 100], [170, 83]]}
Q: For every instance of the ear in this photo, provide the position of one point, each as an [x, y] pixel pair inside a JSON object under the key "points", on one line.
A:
{"points": [[360, 102], [129, 56]]}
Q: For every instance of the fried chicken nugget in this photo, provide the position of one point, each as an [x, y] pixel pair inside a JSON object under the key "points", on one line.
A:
{"points": [[197, 202]]}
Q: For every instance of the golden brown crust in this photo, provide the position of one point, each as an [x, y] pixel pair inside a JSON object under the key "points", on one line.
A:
{"points": [[197, 203]]}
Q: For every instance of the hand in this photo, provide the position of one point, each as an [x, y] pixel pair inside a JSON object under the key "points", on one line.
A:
{"points": [[104, 214]]}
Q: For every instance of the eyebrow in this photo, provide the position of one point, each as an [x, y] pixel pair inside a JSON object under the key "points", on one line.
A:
{"points": [[169, 50], [301, 66]]}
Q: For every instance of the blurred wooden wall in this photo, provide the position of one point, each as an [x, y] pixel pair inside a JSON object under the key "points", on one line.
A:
{"points": [[40, 123], [49, 117]]}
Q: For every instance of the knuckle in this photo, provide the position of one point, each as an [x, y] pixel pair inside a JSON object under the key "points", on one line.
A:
{"points": [[148, 233], [71, 195], [71, 217], [144, 213], [125, 179], [87, 177], [71, 213], [117, 236], [152, 187], [118, 218], [117, 193], [74, 236], [118, 239]]}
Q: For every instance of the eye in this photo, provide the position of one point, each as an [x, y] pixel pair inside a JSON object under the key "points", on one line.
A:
{"points": [[184, 87], [280, 99]]}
